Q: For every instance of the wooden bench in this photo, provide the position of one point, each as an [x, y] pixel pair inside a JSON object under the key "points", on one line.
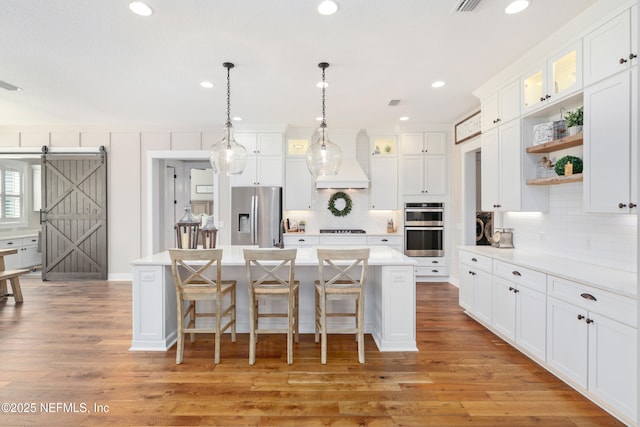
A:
{"points": [[12, 276]]}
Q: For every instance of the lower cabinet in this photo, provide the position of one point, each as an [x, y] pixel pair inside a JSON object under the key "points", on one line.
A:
{"points": [[300, 240], [586, 336], [594, 351], [27, 255]]}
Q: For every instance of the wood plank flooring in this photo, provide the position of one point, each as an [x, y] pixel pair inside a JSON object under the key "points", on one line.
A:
{"points": [[65, 361]]}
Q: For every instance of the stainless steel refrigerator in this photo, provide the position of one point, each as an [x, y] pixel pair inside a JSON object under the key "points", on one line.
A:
{"points": [[256, 215]]}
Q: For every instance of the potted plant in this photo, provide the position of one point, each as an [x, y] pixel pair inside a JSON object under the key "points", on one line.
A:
{"points": [[302, 224], [574, 120]]}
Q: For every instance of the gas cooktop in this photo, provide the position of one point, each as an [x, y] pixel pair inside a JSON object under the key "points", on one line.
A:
{"points": [[341, 231]]}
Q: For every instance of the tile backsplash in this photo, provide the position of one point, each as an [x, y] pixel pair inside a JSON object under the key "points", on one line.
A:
{"points": [[567, 231]]}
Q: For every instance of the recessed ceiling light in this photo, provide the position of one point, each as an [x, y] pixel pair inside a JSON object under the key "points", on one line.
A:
{"points": [[319, 119], [322, 84], [237, 119], [516, 6], [327, 7], [439, 83], [404, 118], [140, 8], [206, 84]]}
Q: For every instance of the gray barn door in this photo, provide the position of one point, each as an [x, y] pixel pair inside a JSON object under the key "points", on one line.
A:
{"points": [[74, 216]]}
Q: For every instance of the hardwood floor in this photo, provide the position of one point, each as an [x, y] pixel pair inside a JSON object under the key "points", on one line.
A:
{"points": [[65, 361]]}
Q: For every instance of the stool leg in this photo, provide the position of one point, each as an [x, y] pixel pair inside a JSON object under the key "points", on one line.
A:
{"points": [[3, 290], [17, 291]]}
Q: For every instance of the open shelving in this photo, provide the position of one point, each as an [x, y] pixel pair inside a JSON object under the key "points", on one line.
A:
{"points": [[556, 144], [554, 180]]}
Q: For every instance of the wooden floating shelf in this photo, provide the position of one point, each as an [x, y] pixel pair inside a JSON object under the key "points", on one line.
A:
{"points": [[554, 180], [556, 144]]}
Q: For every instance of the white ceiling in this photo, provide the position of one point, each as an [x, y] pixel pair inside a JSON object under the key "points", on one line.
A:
{"points": [[95, 63]]}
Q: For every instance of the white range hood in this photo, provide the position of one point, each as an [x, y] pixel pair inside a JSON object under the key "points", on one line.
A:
{"points": [[350, 175]]}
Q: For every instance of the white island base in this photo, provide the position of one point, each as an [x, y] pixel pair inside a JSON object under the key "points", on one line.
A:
{"points": [[390, 299]]}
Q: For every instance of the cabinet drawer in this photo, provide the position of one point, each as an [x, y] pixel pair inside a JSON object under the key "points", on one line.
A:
{"points": [[431, 271], [300, 240], [520, 275], [608, 304], [29, 241], [384, 240], [343, 240], [10, 244], [479, 261], [432, 261]]}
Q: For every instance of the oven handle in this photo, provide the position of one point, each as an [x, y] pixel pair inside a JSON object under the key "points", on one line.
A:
{"points": [[424, 210], [423, 228]]}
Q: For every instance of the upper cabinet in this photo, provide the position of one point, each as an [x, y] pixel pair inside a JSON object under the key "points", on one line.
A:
{"points": [[299, 185], [558, 76], [502, 106], [424, 163], [265, 162], [611, 144], [612, 47]]}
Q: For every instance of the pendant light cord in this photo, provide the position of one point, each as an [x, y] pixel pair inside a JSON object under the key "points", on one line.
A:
{"points": [[228, 66], [323, 125]]}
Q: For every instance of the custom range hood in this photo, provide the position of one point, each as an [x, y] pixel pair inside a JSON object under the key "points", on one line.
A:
{"points": [[350, 175]]}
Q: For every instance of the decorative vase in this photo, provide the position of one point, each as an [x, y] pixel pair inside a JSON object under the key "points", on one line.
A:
{"points": [[574, 130]]}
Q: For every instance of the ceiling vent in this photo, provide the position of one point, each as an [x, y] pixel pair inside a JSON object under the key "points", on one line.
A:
{"points": [[393, 102], [8, 86], [465, 5]]}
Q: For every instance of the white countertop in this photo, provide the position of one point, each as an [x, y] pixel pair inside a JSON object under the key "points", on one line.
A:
{"points": [[619, 281], [232, 256]]}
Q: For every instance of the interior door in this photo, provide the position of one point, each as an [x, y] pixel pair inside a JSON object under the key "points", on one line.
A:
{"points": [[74, 216]]}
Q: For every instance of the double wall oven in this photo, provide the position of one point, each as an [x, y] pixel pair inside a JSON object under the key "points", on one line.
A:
{"points": [[424, 229]]}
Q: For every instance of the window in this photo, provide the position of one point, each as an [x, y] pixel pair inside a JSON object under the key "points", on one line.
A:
{"points": [[12, 185]]}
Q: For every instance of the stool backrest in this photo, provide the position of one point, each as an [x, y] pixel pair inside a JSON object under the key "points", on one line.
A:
{"points": [[334, 275], [191, 267], [267, 268]]}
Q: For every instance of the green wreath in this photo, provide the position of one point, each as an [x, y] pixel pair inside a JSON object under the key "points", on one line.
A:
{"points": [[348, 204]]}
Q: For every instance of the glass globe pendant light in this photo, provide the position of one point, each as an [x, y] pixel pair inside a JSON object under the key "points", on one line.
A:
{"points": [[227, 156], [323, 156]]}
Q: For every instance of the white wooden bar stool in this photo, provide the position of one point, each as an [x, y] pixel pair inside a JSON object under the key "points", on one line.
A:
{"points": [[270, 275], [341, 282], [197, 275]]}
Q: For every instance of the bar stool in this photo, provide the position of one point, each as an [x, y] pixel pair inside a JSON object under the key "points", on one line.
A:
{"points": [[341, 286], [268, 278], [197, 277]]}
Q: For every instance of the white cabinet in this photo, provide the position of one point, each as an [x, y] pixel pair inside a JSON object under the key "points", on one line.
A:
{"points": [[393, 241], [351, 240], [300, 240], [383, 192], [519, 307], [591, 341], [610, 145], [431, 266], [299, 185], [501, 107], [611, 48], [424, 163], [475, 285], [501, 177], [265, 162], [27, 255], [554, 78]]}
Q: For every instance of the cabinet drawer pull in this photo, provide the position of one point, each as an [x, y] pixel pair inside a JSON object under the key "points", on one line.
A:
{"points": [[436, 262], [622, 205], [622, 60], [474, 259], [588, 296], [589, 321], [511, 288], [632, 56], [385, 240], [516, 273], [301, 240], [9, 243], [580, 317], [632, 205], [434, 271], [472, 273]]}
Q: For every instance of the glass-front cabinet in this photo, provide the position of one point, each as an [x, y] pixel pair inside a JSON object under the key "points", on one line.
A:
{"points": [[551, 80]]}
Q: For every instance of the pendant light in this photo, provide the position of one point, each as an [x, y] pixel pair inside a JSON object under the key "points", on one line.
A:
{"points": [[227, 156], [323, 156]]}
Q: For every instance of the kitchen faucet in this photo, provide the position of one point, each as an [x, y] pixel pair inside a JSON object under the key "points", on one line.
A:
{"points": [[280, 243]]}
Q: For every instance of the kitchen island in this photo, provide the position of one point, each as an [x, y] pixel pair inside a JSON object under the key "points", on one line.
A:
{"points": [[390, 299]]}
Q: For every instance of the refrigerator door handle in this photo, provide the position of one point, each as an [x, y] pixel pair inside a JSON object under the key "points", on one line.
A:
{"points": [[254, 219]]}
